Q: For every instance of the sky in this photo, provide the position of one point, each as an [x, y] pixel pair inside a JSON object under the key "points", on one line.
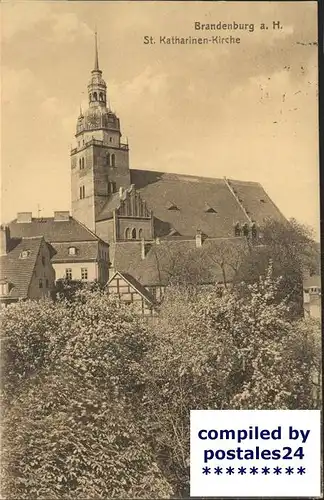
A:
{"points": [[246, 111]]}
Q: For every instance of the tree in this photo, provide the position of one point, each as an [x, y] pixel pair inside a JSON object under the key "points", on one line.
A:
{"points": [[69, 426], [212, 351], [291, 250]]}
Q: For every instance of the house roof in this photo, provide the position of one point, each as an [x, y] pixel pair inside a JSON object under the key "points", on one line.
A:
{"points": [[18, 272], [53, 231], [187, 203], [135, 284], [85, 251], [164, 259]]}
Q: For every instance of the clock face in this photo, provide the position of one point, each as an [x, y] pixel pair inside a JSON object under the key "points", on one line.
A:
{"points": [[93, 120]]}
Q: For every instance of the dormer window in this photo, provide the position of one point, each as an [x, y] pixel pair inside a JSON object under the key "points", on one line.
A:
{"points": [[209, 209], [72, 251], [171, 206], [24, 254], [262, 200]]}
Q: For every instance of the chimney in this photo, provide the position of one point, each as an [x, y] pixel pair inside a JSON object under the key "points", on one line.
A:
{"points": [[145, 247], [5, 239], [61, 215], [198, 239], [23, 217]]}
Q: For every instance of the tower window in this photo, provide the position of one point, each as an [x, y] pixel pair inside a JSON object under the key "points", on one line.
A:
{"points": [[95, 96], [40, 283], [245, 230], [108, 159], [127, 233], [113, 160], [134, 234], [101, 96], [82, 192], [110, 139], [140, 234], [82, 161], [237, 230]]}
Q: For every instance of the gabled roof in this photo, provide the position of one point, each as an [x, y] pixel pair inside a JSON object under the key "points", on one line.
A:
{"points": [[136, 285], [17, 271], [191, 195], [53, 231], [162, 258]]}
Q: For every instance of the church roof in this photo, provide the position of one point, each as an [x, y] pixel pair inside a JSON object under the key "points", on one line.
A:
{"points": [[187, 203], [112, 204], [53, 230], [17, 271]]}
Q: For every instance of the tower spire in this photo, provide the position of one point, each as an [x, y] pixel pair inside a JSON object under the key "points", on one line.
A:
{"points": [[96, 65]]}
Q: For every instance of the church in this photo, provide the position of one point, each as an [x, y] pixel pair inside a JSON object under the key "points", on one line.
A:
{"points": [[144, 217]]}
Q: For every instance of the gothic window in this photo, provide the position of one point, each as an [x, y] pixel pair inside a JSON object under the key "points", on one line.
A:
{"points": [[101, 97], [134, 234], [127, 233], [82, 192], [245, 230], [95, 96], [140, 234], [237, 230], [114, 187], [108, 159], [82, 162], [113, 160]]}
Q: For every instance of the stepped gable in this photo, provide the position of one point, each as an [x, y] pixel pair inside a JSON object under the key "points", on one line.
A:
{"points": [[19, 272], [188, 203]]}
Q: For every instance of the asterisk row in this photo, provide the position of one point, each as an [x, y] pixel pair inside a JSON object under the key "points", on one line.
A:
{"points": [[254, 470]]}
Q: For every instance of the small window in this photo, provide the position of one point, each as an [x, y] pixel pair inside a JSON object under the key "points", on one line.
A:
{"points": [[24, 254], [262, 201], [108, 159], [84, 273], [4, 288], [110, 139], [237, 229], [134, 234], [43, 261], [82, 162], [82, 192], [95, 96], [140, 234], [46, 283], [127, 233], [245, 230], [72, 251], [40, 283], [68, 274], [114, 187], [113, 160]]}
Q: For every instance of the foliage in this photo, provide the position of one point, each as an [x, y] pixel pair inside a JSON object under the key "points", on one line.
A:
{"points": [[97, 402], [292, 251], [69, 428]]}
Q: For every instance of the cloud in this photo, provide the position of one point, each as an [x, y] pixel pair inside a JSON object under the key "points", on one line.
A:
{"points": [[15, 83], [22, 16], [67, 28]]}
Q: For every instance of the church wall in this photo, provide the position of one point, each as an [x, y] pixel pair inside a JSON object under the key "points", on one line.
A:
{"points": [[105, 230], [137, 223], [83, 209], [120, 173]]}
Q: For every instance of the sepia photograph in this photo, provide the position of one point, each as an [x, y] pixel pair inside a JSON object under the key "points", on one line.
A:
{"points": [[160, 246]]}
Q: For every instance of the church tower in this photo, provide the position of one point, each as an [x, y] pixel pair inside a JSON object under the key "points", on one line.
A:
{"points": [[100, 161]]}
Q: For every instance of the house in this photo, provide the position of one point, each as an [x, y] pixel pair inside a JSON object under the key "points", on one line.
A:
{"points": [[130, 291], [26, 271], [80, 254]]}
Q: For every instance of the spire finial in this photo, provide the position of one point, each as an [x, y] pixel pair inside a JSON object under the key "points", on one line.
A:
{"points": [[96, 65]]}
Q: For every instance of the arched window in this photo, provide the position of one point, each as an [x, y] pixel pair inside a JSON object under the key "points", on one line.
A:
{"points": [[108, 159], [95, 96], [140, 234], [127, 233], [101, 97], [245, 230], [114, 187], [237, 229], [134, 234], [113, 160], [82, 162]]}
